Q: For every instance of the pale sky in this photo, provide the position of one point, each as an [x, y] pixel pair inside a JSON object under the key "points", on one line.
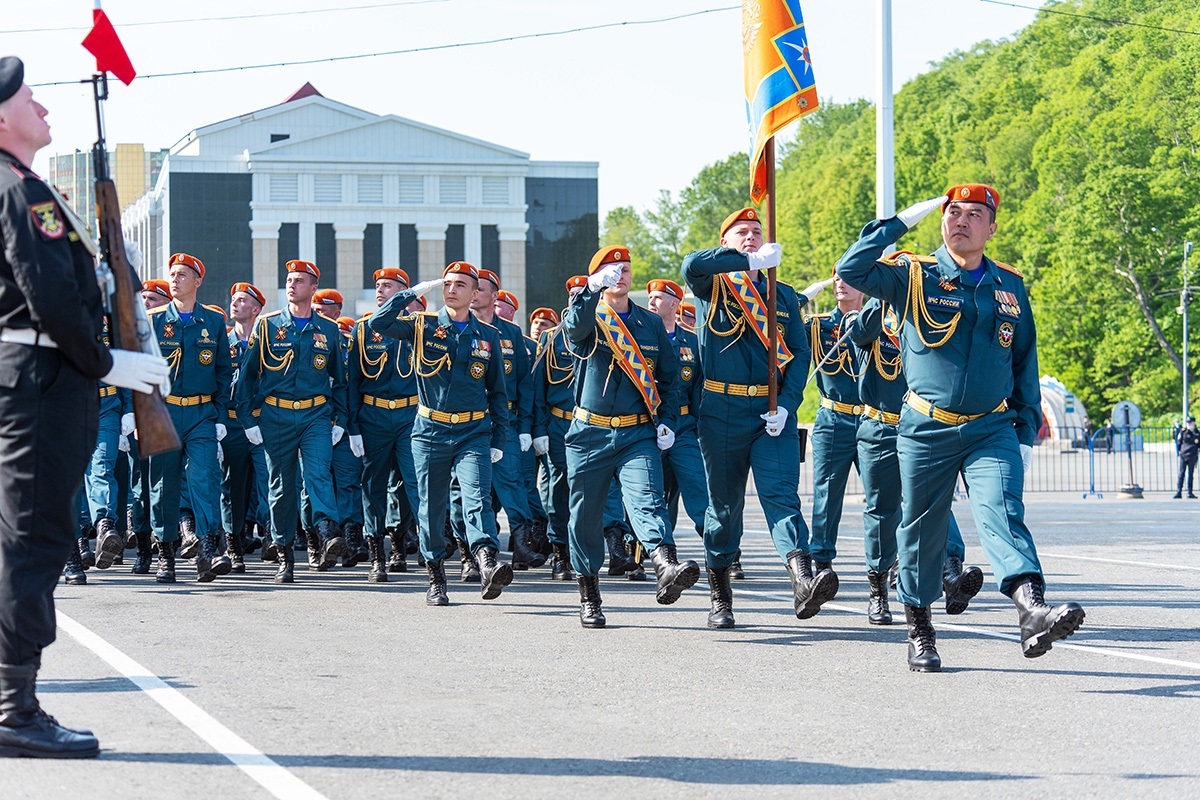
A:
{"points": [[651, 103]]}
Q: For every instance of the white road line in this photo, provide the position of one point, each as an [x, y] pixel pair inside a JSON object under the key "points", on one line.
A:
{"points": [[1122, 561], [1086, 648], [270, 775]]}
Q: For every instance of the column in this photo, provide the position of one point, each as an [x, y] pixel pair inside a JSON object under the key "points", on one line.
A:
{"points": [[349, 236], [307, 235], [264, 238], [473, 244], [391, 244], [431, 251], [512, 258]]}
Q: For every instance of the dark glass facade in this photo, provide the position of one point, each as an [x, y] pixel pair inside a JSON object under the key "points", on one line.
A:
{"points": [[409, 252], [327, 252], [372, 253], [289, 248], [564, 233], [456, 237], [210, 219], [489, 240]]}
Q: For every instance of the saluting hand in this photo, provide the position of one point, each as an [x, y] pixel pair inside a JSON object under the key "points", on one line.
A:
{"points": [[424, 286], [815, 289], [918, 211]]}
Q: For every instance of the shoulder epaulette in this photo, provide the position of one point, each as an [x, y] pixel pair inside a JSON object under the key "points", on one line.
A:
{"points": [[364, 317], [784, 283], [217, 309], [893, 259], [1010, 268], [276, 312], [159, 310], [488, 325]]}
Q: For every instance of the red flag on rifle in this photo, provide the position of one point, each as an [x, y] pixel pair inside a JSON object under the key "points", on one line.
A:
{"points": [[105, 45]]}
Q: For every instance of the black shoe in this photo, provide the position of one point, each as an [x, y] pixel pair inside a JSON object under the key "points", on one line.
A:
{"points": [[204, 564], [540, 540], [221, 563], [312, 544], [560, 563], [73, 573], [809, 592], [1042, 625], [109, 544], [86, 556], [820, 567], [878, 612], [398, 560], [235, 550], [634, 549], [922, 641], [250, 542], [436, 596], [960, 585], [28, 731], [270, 551], [141, 562], [470, 567], [286, 559], [189, 545], [166, 562], [523, 554], [493, 575], [721, 614], [378, 573], [1177, 496], [356, 548], [673, 577], [333, 545], [735, 569], [1191, 496], [590, 613], [619, 561]]}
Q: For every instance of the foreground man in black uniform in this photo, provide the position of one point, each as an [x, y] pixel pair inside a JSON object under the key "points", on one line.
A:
{"points": [[51, 356]]}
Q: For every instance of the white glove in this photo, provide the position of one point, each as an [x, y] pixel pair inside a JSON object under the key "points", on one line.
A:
{"points": [[769, 255], [526, 441], [815, 289], [220, 454], [424, 286], [254, 435], [128, 423], [139, 371], [338, 431], [541, 445], [1026, 457], [133, 254], [918, 211], [497, 455], [221, 431], [606, 278], [356, 445], [775, 420], [666, 437], [123, 443]]}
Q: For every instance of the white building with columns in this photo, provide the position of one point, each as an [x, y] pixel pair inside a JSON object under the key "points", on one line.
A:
{"points": [[353, 191]]}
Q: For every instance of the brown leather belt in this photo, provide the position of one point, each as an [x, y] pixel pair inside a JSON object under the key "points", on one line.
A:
{"points": [[882, 416], [451, 418], [193, 400], [945, 417], [295, 405], [841, 408], [740, 390], [381, 402], [602, 421]]}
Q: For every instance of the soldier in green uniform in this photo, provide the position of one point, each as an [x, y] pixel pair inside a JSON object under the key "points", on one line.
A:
{"points": [[553, 406], [191, 336], [462, 419], [383, 408], [969, 348], [730, 291], [292, 380], [626, 407]]}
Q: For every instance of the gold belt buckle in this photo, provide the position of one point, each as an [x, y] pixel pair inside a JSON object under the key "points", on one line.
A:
{"points": [[295, 405], [454, 419], [615, 422], [752, 391], [962, 419], [391, 404]]}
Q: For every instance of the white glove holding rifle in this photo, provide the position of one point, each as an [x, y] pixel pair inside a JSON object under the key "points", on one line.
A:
{"points": [[139, 371]]}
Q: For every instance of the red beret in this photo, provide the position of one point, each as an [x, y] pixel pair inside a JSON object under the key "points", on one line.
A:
{"points": [[576, 282], [421, 299], [609, 254], [194, 263], [304, 266], [662, 285], [544, 313], [488, 275], [748, 214], [509, 298], [328, 297], [345, 323], [461, 268], [687, 310], [250, 289], [973, 193], [391, 274], [158, 286]]}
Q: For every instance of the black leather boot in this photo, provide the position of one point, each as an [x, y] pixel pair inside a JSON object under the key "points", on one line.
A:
{"points": [[204, 560], [398, 561], [470, 568], [221, 563], [270, 550], [141, 562], [721, 615], [235, 549], [590, 613], [109, 544], [524, 556], [922, 641], [560, 563], [250, 542], [619, 561], [86, 556], [313, 545], [540, 540], [959, 584], [893, 574], [634, 549], [878, 612], [73, 573], [673, 577], [1042, 625], [286, 559], [412, 540], [28, 731], [189, 545], [333, 546], [378, 572], [735, 569], [356, 548], [827, 566], [166, 562], [809, 592], [493, 575], [436, 596]]}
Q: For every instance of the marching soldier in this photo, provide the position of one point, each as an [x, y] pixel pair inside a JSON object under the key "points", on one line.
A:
{"points": [[292, 376], [626, 409], [730, 289], [973, 407], [554, 404], [462, 419], [192, 338]]}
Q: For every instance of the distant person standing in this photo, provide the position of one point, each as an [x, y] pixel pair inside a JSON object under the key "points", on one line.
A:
{"points": [[1187, 445]]}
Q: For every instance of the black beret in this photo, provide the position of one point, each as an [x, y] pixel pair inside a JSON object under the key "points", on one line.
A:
{"points": [[12, 75]]}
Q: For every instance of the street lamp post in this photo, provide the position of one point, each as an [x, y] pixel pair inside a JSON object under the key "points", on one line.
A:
{"points": [[1185, 299]]}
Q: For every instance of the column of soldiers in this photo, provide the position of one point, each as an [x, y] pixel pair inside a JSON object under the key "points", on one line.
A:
{"points": [[420, 426]]}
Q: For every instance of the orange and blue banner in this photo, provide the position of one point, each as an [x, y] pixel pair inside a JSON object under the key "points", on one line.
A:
{"points": [[780, 87], [628, 355], [755, 312]]}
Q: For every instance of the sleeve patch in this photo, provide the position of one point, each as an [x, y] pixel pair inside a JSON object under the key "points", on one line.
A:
{"points": [[47, 219]]}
